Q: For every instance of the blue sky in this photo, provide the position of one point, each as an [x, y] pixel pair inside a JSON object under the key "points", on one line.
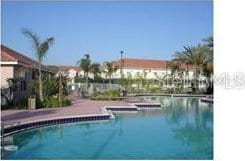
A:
{"points": [[153, 30]]}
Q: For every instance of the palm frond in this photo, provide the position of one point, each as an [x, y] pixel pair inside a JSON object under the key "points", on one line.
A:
{"points": [[44, 47], [33, 37]]}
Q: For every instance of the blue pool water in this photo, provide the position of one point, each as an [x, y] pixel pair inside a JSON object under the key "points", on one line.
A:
{"points": [[183, 129]]}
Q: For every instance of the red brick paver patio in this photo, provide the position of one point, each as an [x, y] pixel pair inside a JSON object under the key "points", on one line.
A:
{"points": [[80, 107]]}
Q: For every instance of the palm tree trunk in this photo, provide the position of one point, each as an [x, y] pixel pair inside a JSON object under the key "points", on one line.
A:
{"points": [[110, 79], [60, 91], [188, 77], [87, 81], [166, 77], [40, 83]]}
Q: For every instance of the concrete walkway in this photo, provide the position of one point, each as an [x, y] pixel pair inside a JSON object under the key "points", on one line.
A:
{"points": [[79, 107]]}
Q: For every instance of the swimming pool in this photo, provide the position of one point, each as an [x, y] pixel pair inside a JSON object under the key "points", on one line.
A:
{"points": [[182, 129]]}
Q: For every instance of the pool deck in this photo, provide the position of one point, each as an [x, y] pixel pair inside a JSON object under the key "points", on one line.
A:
{"points": [[79, 107]]}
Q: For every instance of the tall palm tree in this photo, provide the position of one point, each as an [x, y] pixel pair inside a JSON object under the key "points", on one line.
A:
{"points": [[85, 65], [196, 56], [208, 68], [41, 49], [209, 42], [181, 56], [110, 69]]}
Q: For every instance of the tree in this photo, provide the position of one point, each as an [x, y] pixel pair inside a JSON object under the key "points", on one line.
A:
{"points": [[110, 68], [129, 81], [208, 67], [41, 49], [144, 79], [138, 80], [181, 56], [196, 56], [7, 93], [95, 69], [176, 72], [209, 42], [52, 86], [85, 65]]}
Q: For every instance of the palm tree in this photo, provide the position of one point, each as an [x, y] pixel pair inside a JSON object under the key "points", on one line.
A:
{"points": [[143, 78], [137, 80], [85, 65], [208, 68], [95, 69], [209, 42], [41, 49], [181, 56], [196, 56], [176, 71], [110, 69]]}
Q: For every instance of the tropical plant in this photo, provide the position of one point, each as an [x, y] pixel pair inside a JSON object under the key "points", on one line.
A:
{"points": [[176, 74], [41, 49], [95, 69], [181, 56], [209, 42], [138, 80], [196, 56], [54, 101], [52, 86], [208, 67], [110, 68], [143, 78], [85, 65], [110, 94], [7, 93]]}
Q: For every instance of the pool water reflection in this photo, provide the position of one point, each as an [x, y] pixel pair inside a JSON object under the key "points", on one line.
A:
{"points": [[183, 129]]}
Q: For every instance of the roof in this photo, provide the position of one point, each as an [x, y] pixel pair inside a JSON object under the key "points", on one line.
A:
{"points": [[142, 63], [182, 65], [66, 68], [10, 55]]}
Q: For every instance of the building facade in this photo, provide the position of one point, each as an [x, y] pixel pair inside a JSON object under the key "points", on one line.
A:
{"points": [[24, 70], [134, 68]]}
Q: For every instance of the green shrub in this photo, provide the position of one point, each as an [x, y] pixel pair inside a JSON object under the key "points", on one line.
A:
{"points": [[155, 90], [112, 92], [199, 91], [66, 102], [22, 103], [53, 101], [102, 97]]}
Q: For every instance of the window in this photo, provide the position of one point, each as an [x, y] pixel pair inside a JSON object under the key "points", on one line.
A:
{"points": [[33, 74], [22, 85], [22, 73]]}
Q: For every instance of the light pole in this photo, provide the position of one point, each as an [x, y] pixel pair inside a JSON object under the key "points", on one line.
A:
{"points": [[121, 52], [166, 74]]}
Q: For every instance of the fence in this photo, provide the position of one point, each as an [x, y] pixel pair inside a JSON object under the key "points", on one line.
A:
{"points": [[97, 86]]}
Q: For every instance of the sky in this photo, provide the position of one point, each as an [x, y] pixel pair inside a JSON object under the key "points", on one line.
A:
{"points": [[145, 30]]}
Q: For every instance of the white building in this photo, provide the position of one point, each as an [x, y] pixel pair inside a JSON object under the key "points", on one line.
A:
{"points": [[72, 71], [147, 68], [152, 69]]}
